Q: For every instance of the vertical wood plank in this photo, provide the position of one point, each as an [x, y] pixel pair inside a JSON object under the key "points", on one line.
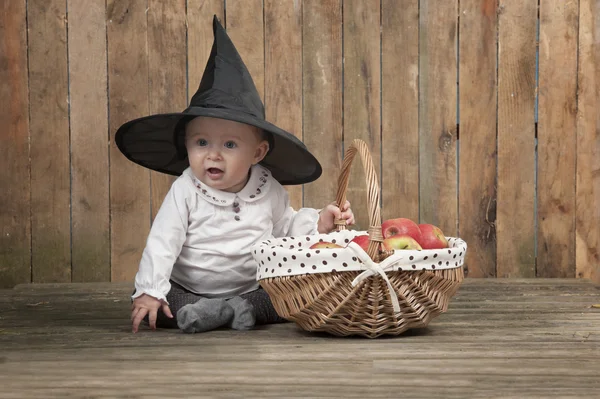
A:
{"points": [[15, 225], [400, 109], [283, 72], [477, 104], [437, 114], [245, 28], [322, 95], [516, 138], [166, 74], [361, 40], [49, 145], [128, 93], [89, 141], [588, 144], [557, 138], [200, 38]]}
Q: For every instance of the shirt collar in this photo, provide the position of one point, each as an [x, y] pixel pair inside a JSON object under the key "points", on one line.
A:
{"points": [[257, 187]]}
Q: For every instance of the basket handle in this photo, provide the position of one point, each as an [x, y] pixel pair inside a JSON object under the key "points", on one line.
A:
{"points": [[374, 231]]}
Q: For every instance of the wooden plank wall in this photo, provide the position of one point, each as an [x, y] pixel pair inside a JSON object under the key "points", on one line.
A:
{"points": [[516, 161], [481, 116]]}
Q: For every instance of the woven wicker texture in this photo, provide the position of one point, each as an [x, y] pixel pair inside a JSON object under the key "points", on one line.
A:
{"points": [[327, 302]]}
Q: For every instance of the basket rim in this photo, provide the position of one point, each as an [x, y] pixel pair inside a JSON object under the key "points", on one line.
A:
{"points": [[291, 256]]}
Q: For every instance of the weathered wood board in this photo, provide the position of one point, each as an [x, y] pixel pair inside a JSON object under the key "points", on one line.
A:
{"points": [[499, 338]]}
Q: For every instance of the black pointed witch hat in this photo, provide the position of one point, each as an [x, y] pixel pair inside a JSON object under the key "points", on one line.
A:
{"points": [[226, 91]]}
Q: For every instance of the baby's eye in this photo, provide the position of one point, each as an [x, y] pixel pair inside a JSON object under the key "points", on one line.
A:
{"points": [[230, 144], [202, 142]]}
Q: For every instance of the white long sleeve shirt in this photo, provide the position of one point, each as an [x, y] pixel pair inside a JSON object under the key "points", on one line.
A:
{"points": [[201, 237]]}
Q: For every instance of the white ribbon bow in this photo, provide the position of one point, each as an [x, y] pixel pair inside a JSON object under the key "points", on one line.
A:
{"points": [[376, 268]]}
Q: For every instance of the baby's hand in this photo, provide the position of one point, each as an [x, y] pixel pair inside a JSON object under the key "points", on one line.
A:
{"points": [[332, 212], [147, 305]]}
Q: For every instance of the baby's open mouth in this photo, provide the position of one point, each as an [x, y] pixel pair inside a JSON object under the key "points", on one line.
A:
{"points": [[213, 172]]}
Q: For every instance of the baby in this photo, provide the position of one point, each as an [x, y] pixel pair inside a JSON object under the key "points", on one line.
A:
{"points": [[222, 205], [197, 272]]}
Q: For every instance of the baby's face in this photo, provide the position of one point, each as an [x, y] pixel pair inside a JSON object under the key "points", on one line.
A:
{"points": [[221, 152]]}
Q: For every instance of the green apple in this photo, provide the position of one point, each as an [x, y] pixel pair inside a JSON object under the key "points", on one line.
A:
{"points": [[400, 242]]}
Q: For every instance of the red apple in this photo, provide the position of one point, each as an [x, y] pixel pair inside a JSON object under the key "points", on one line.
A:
{"points": [[401, 226], [432, 237], [400, 242], [324, 244], [363, 241]]}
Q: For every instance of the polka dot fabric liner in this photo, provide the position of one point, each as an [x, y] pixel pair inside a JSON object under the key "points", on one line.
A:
{"points": [[290, 256]]}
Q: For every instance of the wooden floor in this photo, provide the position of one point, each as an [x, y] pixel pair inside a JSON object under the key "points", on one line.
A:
{"points": [[499, 339]]}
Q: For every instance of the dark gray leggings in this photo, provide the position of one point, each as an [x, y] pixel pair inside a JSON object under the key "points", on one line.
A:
{"points": [[178, 297]]}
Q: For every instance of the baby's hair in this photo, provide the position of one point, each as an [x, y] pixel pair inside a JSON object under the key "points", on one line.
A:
{"points": [[268, 137], [263, 135], [179, 136]]}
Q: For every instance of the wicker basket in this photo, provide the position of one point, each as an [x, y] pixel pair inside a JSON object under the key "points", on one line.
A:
{"points": [[347, 291]]}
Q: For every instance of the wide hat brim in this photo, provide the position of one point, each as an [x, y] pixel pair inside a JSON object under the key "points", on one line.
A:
{"points": [[151, 142]]}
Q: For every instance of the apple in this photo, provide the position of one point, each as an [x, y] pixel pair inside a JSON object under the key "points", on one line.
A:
{"points": [[432, 237], [400, 242], [401, 226], [324, 244], [363, 241]]}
